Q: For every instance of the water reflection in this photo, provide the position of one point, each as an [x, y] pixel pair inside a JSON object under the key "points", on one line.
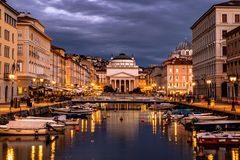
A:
{"points": [[141, 134]]}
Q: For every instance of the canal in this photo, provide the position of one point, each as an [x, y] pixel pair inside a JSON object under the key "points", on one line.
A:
{"points": [[122, 133]]}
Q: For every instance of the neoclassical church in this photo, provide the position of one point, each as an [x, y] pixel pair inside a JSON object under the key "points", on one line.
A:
{"points": [[123, 73]]}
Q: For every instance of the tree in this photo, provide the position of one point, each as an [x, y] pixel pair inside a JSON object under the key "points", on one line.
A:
{"points": [[137, 91], [108, 89]]}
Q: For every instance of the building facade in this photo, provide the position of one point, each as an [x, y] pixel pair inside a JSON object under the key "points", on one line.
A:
{"points": [[177, 76], [233, 61], [8, 47], [123, 73], [73, 72], [102, 77], [58, 67], [209, 48], [34, 55]]}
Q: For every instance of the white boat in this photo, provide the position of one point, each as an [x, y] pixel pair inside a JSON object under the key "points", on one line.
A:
{"points": [[24, 128], [59, 119], [201, 118], [180, 116], [51, 124], [70, 112], [219, 138]]}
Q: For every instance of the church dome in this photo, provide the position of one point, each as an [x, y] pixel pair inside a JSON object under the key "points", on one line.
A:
{"points": [[122, 56], [185, 45]]}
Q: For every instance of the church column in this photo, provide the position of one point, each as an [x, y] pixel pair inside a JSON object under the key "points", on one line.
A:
{"points": [[125, 85]]}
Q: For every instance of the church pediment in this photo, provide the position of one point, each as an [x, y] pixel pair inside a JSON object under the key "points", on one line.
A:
{"points": [[122, 75]]}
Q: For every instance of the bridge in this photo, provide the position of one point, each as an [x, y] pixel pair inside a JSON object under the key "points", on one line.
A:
{"points": [[119, 99]]}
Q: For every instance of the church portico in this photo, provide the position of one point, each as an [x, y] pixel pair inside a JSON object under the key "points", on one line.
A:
{"points": [[122, 72]]}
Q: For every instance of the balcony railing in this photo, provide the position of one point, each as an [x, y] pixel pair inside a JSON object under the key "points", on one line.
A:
{"points": [[6, 77]]}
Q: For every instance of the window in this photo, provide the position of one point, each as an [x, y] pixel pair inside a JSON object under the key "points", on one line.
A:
{"points": [[10, 20], [12, 53], [224, 67], [237, 18], [6, 35], [6, 67], [170, 70], [0, 49], [223, 33], [184, 78], [12, 37], [20, 49], [0, 14], [6, 51], [190, 70], [224, 51], [177, 70], [224, 18], [20, 66], [0, 67], [183, 69], [176, 77], [170, 77]]}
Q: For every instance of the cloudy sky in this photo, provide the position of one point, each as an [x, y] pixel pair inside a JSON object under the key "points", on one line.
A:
{"points": [[147, 29]]}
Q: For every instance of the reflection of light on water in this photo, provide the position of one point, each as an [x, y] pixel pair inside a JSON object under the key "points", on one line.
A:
{"points": [[86, 125], [33, 152], [235, 155], [71, 134], [194, 138], [53, 145], [175, 131], [154, 123], [40, 152], [10, 153], [93, 124], [97, 116], [82, 125], [210, 156]]}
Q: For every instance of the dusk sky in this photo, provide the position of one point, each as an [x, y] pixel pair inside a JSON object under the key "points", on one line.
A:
{"points": [[147, 29]]}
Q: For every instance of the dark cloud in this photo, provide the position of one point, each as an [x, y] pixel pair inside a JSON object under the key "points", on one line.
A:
{"points": [[148, 29]]}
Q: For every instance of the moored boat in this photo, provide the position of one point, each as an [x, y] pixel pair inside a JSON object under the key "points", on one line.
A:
{"points": [[225, 125], [24, 128], [51, 124], [58, 119], [69, 112], [201, 118], [218, 138]]}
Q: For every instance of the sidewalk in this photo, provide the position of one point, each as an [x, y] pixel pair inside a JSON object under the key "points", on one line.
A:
{"points": [[5, 108], [218, 107]]}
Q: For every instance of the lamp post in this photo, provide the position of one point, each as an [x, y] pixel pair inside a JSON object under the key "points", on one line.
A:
{"points": [[233, 79], [53, 83], [209, 87], [193, 86], [11, 77]]}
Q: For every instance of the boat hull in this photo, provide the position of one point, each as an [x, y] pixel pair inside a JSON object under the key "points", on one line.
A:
{"points": [[10, 131]]}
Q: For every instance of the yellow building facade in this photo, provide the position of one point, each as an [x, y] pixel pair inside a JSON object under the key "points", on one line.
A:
{"points": [[8, 47], [34, 55]]}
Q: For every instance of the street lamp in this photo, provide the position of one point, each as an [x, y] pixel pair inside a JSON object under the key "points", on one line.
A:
{"points": [[209, 86], [11, 77], [233, 79]]}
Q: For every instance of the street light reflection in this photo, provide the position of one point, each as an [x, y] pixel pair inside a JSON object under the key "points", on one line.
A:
{"points": [[10, 153], [235, 154], [40, 152], [33, 153]]}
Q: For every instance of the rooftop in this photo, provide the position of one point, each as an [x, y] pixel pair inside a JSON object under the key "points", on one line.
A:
{"points": [[122, 56], [231, 3]]}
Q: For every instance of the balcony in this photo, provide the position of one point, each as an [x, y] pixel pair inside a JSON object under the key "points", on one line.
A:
{"points": [[6, 77]]}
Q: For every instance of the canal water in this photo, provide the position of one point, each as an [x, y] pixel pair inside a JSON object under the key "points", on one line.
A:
{"points": [[115, 135]]}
